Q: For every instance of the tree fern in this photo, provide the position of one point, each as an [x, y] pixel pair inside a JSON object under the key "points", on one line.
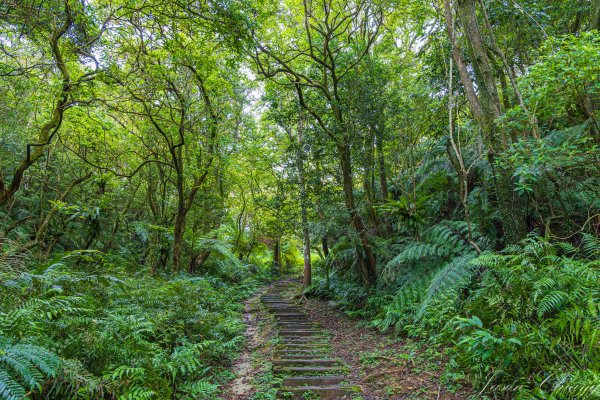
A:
{"points": [[441, 241], [446, 283]]}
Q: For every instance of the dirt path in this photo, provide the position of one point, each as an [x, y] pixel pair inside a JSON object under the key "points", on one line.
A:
{"points": [[384, 366], [241, 388]]}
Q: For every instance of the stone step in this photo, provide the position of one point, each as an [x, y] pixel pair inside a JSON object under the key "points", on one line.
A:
{"points": [[288, 322], [286, 356], [302, 350], [304, 340], [305, 363], [321, 346], [296, 325], [279, 307], [289, 314], [324, 392], [298, 322], [313, 380], [299, 339], [309, 370], [299, 332], [301, 357], [292, 319]]}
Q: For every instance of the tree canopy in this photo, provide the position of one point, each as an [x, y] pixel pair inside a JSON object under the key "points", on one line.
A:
{"points": [[425, 163]]}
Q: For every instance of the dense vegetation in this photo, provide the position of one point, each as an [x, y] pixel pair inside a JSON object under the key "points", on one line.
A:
{"points": [[436, 164]]}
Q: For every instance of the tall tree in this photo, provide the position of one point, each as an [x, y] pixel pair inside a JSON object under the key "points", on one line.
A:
{"points": [[52, 42], [486, 108], [335, 36]]}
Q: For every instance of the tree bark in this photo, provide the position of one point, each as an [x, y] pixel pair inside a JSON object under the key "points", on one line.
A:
{"points": [[277, 256], [595, 15], [307, 273], [7, 191], [179, 224], [486, 108], [368, 262], [325, 246], [198, 261], [383, 180], [369, 166]]}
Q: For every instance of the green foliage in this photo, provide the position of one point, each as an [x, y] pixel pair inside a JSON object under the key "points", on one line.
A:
{"points": [[429, 275], [567, 72], [118, 332], [532, 329], [24, 367], [534, 320], [410, 212], [160, 137]]}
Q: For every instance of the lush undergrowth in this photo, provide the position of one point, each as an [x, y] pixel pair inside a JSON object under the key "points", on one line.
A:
{"points": [[90, 327], [521, 324]]}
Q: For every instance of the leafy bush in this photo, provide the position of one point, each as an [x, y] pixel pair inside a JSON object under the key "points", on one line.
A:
{"points": [[524, 323], [534, 326], [102, 331]]}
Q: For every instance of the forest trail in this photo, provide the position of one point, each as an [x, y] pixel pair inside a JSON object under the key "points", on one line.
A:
{"points": [[301, 356], [290, 343]]}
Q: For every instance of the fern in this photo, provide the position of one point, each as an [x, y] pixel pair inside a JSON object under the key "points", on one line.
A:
{"points": [[590, 245], [446, 283], [551, 302], [24, 367], [440, 242], [548, 302], [122, 334], [10, 389]]}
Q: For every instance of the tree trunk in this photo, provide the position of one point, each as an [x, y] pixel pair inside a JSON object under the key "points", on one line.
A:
{"points": [[198, 261], [595, 15], [48, 130], [307, 273], [325, 246], [277, 256], [368, 263], [179, 225], [383, 180], [486, 108], [369, 165]]}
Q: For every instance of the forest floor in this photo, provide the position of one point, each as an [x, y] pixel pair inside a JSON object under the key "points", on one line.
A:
{"points": [[383, 366]]}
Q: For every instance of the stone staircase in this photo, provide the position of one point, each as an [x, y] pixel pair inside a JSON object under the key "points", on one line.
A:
{"points": [[301, 356]]}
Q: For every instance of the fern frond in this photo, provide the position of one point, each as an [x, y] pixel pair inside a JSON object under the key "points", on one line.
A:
{"points": [[10, 389], [24, 366], [590, 245], [448, 280]]}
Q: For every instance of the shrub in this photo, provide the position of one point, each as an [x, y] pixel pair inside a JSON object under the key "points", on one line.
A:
{"points": [[101, 330]]}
